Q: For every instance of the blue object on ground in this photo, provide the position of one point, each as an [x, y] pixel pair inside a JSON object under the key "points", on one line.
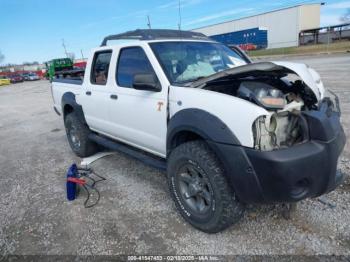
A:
{"points": [[71, 186]]}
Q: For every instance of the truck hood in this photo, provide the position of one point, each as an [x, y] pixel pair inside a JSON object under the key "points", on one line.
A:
{"points": [[308, 75]]}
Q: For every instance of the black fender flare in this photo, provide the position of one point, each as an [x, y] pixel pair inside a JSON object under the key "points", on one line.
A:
{"points": [[222, 141], [201, 122], [68, 98]]}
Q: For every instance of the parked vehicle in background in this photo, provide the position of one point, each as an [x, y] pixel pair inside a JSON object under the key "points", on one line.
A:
{"points": [[248, 47], [57, 67], [4, 80], [25, 76], [229, 132], [17, 78], [30, 77]]}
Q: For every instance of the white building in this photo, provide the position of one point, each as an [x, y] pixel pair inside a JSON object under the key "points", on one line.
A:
{"points": [[283, 26]]}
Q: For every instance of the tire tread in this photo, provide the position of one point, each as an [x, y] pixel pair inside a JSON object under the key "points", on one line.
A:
{"points": [[231, 209], [87, 147]]}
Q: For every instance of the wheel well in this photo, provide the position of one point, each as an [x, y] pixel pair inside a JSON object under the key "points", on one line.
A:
{"points": [[183, 137], [67, 109]]}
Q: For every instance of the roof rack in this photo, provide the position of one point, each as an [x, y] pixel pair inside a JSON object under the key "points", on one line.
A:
{"points": [[153, 34]]}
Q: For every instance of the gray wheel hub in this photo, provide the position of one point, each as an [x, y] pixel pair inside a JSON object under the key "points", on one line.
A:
{"points": [[195, 189]]}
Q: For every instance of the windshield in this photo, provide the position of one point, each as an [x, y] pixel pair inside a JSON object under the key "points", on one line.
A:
{"points": [[189, 61]]}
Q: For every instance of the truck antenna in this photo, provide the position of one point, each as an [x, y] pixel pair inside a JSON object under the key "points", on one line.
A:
{"points": [[148, 22]]}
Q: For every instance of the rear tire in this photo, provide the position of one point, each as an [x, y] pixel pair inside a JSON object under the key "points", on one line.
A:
{"points": [[78, 136], [198, 186]]}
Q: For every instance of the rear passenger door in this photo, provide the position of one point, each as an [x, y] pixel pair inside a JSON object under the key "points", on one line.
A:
{"points": [[97, 93], [139, 117]]}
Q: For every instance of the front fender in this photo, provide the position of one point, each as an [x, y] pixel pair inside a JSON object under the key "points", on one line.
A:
{"points": [[204, 124], [236, 114]]}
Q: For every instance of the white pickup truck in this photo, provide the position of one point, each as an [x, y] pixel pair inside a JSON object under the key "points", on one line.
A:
{"points": [[228, 131]]}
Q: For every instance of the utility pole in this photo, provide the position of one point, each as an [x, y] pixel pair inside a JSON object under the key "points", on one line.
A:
{"points": [[149, 22], [64, 47], [328, 38], [82, 55], [179, 24]]}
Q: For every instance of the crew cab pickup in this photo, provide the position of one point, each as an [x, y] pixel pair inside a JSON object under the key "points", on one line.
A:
{"points": [[228, 131]]}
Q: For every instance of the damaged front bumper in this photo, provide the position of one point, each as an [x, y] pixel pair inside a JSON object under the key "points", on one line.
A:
{"points": [[291, 174]]}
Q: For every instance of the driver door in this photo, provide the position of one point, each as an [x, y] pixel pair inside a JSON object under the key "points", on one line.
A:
{"points": [[138, 117]]}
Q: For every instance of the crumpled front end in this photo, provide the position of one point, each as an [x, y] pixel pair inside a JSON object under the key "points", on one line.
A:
{"points": [[285, 90], [298, 141], [305, 170], [289, 174]]}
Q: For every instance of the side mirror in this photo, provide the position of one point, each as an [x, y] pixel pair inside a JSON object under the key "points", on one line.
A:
{"points": [[147, 82]]}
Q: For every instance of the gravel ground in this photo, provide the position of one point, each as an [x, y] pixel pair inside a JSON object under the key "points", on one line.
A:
{"points": [[135, 214]]}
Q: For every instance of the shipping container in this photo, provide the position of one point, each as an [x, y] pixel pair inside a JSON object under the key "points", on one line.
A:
{"points": [[255, 38]]}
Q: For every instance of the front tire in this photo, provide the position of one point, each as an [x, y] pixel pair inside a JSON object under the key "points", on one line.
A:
{"points": [[199, 188], [78, 136]]}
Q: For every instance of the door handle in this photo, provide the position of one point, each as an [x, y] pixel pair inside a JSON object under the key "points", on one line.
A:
{"points": [[115, 97], [88, 93]]}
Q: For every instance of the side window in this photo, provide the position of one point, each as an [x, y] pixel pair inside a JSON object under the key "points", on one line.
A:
{"points": [[132, 61], [100, 66]]}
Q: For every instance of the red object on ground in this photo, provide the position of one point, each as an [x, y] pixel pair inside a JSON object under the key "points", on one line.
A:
{"points": [[76, 180]]}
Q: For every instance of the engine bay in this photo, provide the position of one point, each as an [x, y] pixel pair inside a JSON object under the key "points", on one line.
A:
{"points": [[285, 98]]}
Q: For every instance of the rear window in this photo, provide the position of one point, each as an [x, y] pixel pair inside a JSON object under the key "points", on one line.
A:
{"points": [[100, 67]]}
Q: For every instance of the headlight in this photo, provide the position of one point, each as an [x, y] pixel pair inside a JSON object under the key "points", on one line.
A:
{"points": [[264, 129], [279, 130], [272, 102], [262, 94]]}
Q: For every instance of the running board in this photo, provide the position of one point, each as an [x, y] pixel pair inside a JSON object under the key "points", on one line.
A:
{"points": [[128, 150]]}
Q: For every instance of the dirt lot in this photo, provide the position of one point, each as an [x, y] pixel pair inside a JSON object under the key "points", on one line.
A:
{"points": [[135, 214]]}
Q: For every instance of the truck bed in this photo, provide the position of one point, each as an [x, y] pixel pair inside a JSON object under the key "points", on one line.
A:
{"points": [[61, 86]]}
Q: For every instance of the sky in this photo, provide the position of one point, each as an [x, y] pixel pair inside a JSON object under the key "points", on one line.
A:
{"points": [[32, 30]]}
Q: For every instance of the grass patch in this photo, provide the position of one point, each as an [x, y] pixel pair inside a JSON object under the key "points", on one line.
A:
{"points": [[309, 49]]}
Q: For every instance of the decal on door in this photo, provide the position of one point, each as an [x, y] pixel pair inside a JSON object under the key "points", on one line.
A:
{"points": [[160, 104]]}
